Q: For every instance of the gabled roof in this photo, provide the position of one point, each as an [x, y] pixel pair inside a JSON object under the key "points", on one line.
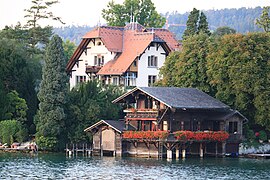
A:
{"points": [[110, 36], [134, 45], [179, 98], [229, 114], [129, 41], [118, 126]]}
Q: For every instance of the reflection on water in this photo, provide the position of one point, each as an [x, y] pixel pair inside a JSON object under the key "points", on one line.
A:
{"points": [[58, 166]]}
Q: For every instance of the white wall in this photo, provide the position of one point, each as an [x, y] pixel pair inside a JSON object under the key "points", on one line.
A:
{"points": [[144, 71], [92, 51]]}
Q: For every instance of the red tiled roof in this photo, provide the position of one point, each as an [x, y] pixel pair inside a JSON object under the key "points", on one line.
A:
{"points": [[110, 36], [130, 41], [134, 45], [168, 37]]}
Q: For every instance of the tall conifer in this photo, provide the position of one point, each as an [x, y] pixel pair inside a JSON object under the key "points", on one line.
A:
{"points": [[50, 120]]}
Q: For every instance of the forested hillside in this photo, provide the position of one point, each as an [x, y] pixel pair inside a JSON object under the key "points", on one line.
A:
{"points": [[242, 20]]}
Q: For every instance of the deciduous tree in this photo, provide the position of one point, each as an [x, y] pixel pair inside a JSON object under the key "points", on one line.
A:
{"points": [[264, 20], [143, 11]]}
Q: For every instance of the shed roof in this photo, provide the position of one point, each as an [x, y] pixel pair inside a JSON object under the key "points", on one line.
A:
{"points": [[173, 97], [119, 125]]}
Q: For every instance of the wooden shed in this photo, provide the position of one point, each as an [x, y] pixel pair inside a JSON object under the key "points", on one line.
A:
{"points": [[107, 137]]}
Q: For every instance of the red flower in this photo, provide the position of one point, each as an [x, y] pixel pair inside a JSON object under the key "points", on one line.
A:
{"points": [[257, 134]]}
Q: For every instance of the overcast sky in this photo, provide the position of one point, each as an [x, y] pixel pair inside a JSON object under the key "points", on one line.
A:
{"points": [[88, 12]]}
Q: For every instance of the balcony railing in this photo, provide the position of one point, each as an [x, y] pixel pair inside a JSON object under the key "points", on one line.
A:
{"points": [[141, 114], [92, 69]]}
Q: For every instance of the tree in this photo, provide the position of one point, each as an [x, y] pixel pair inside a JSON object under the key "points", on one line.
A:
{"points": [[169, 70], [264, 20], [18, 72], [37, 12], [12, 131], [50, 119], [16, 107], [69, 48], [188, 67], [89, 103], [203, 25], [221, 31], [143, 11], [196, 23], [238, 68], [192, 23]]}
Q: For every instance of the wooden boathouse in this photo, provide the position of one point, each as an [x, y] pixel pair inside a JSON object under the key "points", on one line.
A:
{"points": [[169, 122]]}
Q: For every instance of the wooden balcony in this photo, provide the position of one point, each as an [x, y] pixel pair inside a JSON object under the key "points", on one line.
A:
{"points": [[92, 69], [141, 114]]}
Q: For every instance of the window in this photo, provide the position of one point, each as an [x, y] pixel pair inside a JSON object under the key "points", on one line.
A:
{"points": [[80, 79], [130, 79], [233, 127], [152, 61], [98, 60], [151, 80], [115, 81]]}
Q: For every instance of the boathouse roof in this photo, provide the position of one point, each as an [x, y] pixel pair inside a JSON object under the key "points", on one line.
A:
{"points": [[179, 98], [117, 125]]}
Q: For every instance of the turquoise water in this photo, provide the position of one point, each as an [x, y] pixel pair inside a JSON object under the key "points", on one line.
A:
{"points": [[58, 166]]}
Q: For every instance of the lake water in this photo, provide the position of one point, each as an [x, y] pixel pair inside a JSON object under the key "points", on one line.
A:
{"points": [[58, 166]]}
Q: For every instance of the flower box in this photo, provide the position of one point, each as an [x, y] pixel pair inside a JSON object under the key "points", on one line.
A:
{"points": [[201, 136]]}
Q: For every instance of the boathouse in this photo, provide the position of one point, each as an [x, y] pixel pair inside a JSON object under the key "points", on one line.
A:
{"points": [[169, 122]]}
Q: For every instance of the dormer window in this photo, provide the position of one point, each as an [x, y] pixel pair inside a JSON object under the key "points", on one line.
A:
{"points": [[99, 43]]}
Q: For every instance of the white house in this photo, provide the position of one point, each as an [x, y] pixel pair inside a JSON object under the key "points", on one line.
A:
{"points": [[124, 56]]}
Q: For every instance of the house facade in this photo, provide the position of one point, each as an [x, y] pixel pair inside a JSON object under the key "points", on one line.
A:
{"points": [[123, 56], [169, 121]]}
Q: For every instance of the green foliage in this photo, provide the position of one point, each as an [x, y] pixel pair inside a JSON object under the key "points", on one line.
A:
{"points": [[17, 72], [262, 135], [143, 11], [46, 143], [264, 20], [196, 24], [221, 31], [89, 103], [192, 23], [50, 120], [188, 67], [69, 49], [238, 68], [16, 107], [39, 11], [169, 70], [12, 131], [234, 68]]}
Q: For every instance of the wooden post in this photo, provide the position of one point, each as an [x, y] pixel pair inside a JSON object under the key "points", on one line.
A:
{"points": [[169, 154], [177, 153], [101, 150], [223, 148], [216, 148], [201, 150], [183, 153]]}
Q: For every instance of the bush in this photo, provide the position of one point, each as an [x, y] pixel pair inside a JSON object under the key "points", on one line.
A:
{"points": [[262, 135], [46, 143], [11, 131]]}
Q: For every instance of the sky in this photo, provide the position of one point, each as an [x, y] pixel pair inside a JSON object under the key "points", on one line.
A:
{"points": [[88, 12]]}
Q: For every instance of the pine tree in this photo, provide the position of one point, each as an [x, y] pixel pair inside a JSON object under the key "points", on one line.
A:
{"points": [[196, 23], [192, 23], [50, 120], [203, 25]]}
